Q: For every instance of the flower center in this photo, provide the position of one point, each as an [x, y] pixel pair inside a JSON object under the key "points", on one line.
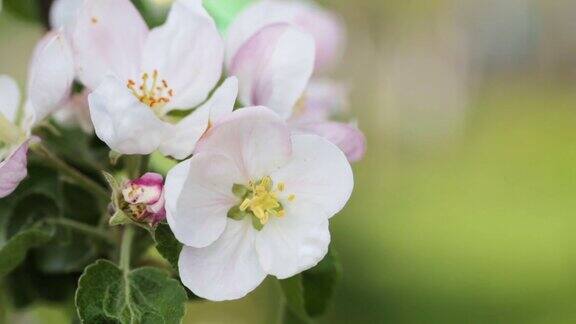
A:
{"points": [[154, 93], [260, 200]]}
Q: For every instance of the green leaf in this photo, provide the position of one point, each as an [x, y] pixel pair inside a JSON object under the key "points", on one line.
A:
{"points": [[27, 284], [295, 311], [24, 230], [167, 245], [71, 251], [13, 252], [25, 9], [309, 294], [146, 295]]}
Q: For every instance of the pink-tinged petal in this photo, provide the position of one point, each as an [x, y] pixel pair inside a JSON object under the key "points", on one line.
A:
{"points": [[327, 28], [329, 33], [108, 37], [63, 13], [13, 170], [296, 242], [188, 131], [75, 113], [255, 138], [227, 269], [198, 195], [9, 98], [346, 136], [125, 124], [51, 74], [317, 174], [156, 211], [187, 51], [323, 98], [144, 190], [273, 67], [224, 99]]}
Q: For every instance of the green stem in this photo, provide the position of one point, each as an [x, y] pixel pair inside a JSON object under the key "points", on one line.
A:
{"points": [[126, 248], [79, 178], [136, 165], [83, 228]]}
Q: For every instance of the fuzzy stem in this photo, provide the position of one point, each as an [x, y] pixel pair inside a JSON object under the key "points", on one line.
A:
{"points": [[83, 228], [126, 248]]}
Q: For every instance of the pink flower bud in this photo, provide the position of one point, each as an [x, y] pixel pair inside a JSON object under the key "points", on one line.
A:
{"points": [[145, 197]]}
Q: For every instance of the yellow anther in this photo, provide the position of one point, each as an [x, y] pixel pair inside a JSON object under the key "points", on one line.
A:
{"points": [[263, 199], [291, 198], [155, 95]]}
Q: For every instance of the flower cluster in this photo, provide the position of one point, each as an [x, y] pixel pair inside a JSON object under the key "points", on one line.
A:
{"points": [[259, 130]]}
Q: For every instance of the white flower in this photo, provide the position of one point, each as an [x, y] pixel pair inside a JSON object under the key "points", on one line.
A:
{"points": [[140, 77], [51, 74], [325, 27], [272, 47], [254, 200]]}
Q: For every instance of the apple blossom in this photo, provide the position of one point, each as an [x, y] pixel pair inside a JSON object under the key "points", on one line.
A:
{"points": [[324, 102], [145, 198], [254, 200], [325, 27], [141, 77], [50, 78], [272, 53], [75, 112]]}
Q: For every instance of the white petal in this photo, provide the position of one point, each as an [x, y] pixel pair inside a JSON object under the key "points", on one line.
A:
{"points": [[346, 136], [63, 13], [184, 135], [294, 243], [273, 67], [188, 52], [318, 174], [188, 131], [75, 113], [228, 269], [255, 138], [125, 124], [252, 19], [198, 197], [223, 100], [13, 170], [9, 97], [51, 74], [108, 37], [326, 28]]}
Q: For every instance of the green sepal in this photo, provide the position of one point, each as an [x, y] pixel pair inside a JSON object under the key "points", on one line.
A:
{"points": [[236, 214], [119, 218], [256, 223], [240, 191], [114, 157]]}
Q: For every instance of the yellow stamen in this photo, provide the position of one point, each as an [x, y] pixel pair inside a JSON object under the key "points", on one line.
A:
{"points": [[263, 200], [155, 95]]}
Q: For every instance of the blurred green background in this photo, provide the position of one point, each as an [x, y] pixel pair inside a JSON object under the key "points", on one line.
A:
{"points": [[464, 209]]}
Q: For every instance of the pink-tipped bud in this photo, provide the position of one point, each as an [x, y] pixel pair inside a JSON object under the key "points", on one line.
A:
{"points": [[145, 198]]}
